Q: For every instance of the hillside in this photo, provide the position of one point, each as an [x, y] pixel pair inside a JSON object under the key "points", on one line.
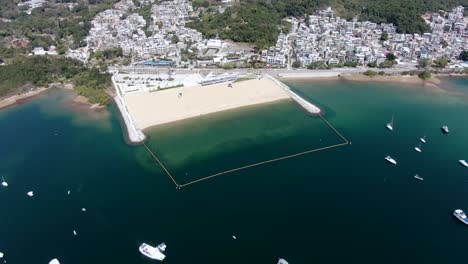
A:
{"points": [[259, 21]]}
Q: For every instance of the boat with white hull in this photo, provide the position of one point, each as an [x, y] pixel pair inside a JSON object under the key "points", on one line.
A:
{"points": [[54, 261], [461, 216], [464, 163], [153, 252], [391, 160], [390, 125], [418, 148], [417, 177], [423, 139], [445, 129]]}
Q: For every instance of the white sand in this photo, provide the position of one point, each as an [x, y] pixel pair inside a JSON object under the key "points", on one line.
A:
{"points": [[155, 108]]}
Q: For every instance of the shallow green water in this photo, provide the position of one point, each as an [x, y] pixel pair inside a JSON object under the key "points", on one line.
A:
{"points": [[340, 205]]}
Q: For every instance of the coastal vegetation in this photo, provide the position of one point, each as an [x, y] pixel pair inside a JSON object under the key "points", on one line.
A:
{"points": [[260, 21], [426, 74], [370, 73], [40, 71]]}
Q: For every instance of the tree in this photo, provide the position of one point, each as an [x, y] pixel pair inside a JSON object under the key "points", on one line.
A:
{"points": [[423, 63], [370, 73], [372, 64], [384, 36], [174, 39], [463, 55], [444, 43], [390, 57], [296, 64], [441, 62], [425, 75]]}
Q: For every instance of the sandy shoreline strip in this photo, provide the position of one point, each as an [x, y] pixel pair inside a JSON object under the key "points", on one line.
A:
{"points": [[12, 100], [160, 107]]}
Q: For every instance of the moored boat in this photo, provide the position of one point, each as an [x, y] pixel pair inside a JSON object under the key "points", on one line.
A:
{"points": [[282, 261], [4, 183], [152, 252], [417, 177], [54, 261], [418, 148], [445, 129], [390, 125], [423, 139], [461, 216], [463, 163], [391, 160]]}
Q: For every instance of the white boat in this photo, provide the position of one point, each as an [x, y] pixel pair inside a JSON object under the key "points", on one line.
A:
{"points": [[1, 255], [54, 261], [417, 177], [461, 216], [162, 247], [152, 252], [391, 160], [445, 129], [282, 261], [30, 193], [83, 209], [234, 237], [68, 192], [423, 139], [418, 149], [464, 163], [74, 233], [390, 125], [4, 183]]}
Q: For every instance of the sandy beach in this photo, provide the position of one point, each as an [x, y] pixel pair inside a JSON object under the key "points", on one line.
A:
{"points": [[12, 100], [155, 108]]}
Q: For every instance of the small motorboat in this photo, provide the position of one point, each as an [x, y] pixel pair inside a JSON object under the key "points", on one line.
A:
{"points": [[423, 139], [234, 237], [445, 129], [461, 216], [391, 160], [4, 183], [151, 252], [1, 255], [282, 261], [74, 232], [83, 209], [68, 192], [464, 163], [54, 261], [390, 125], [417, 177], [418, 148], [30, 193]]}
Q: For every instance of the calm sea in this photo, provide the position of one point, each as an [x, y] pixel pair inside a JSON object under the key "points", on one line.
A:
{"points": [[344, 205]]}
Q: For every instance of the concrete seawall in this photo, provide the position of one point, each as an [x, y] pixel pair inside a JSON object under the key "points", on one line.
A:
{"points": [[309, 107], [135, 135]]}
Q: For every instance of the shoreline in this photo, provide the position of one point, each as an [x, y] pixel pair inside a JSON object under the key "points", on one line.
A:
{"points": [[16, 99], [78, 101]]}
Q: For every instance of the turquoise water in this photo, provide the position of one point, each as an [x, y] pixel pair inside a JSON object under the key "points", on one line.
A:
{"points": [[341, 205]]}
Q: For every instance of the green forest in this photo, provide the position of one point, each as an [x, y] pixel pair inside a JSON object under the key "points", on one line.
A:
{"points": [[260, 21], [43, 70]]}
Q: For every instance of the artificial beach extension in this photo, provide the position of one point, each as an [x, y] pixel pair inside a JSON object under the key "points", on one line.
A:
{"points": [[135, 134]]}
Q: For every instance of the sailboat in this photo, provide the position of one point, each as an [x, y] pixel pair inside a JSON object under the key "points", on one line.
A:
{"points": [[390, 125], [418, 149], [4, 183], [423, 139]]}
